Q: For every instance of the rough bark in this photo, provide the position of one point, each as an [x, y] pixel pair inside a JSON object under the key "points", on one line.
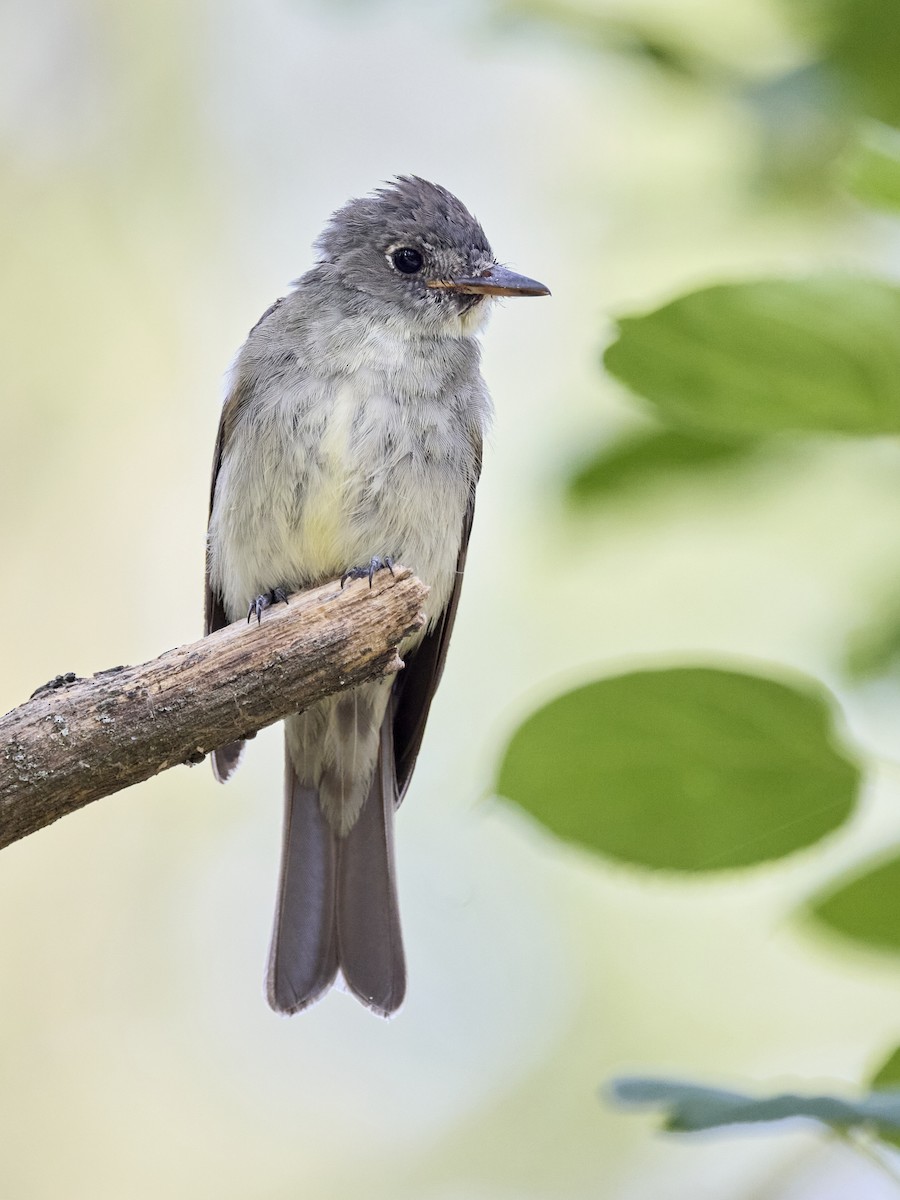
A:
{"points": [[77, 739]]}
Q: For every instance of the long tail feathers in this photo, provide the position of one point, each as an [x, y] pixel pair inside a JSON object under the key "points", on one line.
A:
{"points": [[303, 961], [370, 947], [337, 899]]}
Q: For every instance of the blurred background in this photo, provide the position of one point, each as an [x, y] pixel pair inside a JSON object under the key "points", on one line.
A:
{"points": [[164, 169]]}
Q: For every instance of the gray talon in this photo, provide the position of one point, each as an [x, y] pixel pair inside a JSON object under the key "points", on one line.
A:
{"points": [[368, 571], [266, 600]]}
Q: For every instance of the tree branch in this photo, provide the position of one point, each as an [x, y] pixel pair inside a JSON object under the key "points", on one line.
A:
{"points": [[76, 740]]}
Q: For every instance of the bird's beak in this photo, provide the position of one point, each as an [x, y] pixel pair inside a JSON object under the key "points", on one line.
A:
{"points": [[495, 281]]}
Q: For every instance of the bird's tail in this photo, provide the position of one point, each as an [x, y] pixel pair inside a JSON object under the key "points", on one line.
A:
{"points": [[337, 898]]}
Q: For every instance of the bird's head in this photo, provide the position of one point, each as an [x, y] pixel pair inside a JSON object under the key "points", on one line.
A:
{"points": [[421, 256]]}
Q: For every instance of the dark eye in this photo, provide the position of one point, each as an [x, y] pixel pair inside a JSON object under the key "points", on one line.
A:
{"points": [[407, 260]]}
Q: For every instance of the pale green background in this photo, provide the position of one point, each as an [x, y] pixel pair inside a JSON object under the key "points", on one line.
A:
{"points": [[164, 168]]}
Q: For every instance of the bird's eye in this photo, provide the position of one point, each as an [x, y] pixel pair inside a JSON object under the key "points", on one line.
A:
{"points": [[407, 260]]}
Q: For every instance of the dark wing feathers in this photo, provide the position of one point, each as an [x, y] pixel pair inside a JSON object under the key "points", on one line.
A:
{"points": [[225, 759], [214, 610], [418, 681]]}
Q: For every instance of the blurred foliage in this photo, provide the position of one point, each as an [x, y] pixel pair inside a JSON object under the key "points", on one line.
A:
{"points": [[865, 907], [869, 1125], [691, 1107], [696, 769], [873, 649], [860, 41], [614, 33], [817, 355], [802, 128], [888, 1074], [848, 52], [651, 456], [871, 169], [885, 1078], [689, 769]]}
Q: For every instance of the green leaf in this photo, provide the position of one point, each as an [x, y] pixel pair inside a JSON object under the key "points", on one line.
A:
{"points": [[690, 769], [871, 170], [865, 907], [815, 355], [691, 1107], [648, 458]]}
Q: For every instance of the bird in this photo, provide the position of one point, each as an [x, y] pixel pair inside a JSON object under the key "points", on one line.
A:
{"points": [[350, 439]]}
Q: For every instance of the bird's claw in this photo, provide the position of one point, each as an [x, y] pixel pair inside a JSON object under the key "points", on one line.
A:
{"points": [[266, 600], [367, 572]]}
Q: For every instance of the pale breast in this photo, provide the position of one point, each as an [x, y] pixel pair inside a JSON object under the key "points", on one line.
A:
{"points": [[323, 475]]}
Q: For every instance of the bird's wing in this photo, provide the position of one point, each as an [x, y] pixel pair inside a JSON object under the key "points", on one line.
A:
{"points": [[418, 681], [225, 759], [214, 610]]}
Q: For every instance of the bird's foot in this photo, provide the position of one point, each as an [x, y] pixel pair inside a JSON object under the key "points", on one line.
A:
{"points": [[375, 564], [266, 600]]}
